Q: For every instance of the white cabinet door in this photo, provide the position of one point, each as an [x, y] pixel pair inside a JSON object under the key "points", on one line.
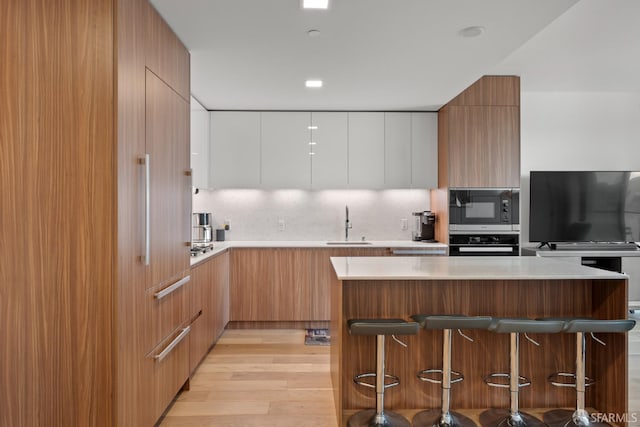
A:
{"points": [[329, 166], [199, 145], [631, 266], [286, 162], [397, 150], [424, 150], [235, 149], [366, 150]]}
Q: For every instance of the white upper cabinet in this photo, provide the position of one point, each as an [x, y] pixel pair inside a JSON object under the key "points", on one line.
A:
{"points": [[286, 162], [199, 145], [397, 150], [424, 150], [329, 166], [235, 149], [322, 150], [366, 150]]}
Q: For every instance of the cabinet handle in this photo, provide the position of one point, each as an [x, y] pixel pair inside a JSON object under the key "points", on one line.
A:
{"points": [[146, 161], [177, 285], [164, 353]]}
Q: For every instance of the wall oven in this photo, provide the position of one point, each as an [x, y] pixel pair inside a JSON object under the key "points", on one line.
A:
{"points": [[484, 221]]}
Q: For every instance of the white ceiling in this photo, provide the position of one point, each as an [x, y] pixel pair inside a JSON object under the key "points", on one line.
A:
{"points": [[396, 54]]}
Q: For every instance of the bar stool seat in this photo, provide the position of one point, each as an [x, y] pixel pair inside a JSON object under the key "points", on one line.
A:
{"points": [[443, 417], [380, 328], [514, 327], [580, 326]]}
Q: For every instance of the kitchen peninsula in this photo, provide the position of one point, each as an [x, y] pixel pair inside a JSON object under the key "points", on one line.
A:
{"points": [[526, 287]]}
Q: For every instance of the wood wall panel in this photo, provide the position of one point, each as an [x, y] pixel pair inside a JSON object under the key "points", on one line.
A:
{"points": [[484, 146], [489, 352], [443, 147], [166, 55], [490, 91], [57, 162]]}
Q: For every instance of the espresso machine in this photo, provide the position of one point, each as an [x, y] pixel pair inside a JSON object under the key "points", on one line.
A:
{"points": [[423, 228]]}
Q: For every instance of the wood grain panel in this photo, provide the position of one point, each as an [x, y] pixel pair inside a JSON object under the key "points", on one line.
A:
{"points": [[484, 146], [443, 147], [489, 352], [200, 313], [440, 206], [57, 162], [166, 55], [167, 142], [134, 408], [220, 294], [490, 90]]}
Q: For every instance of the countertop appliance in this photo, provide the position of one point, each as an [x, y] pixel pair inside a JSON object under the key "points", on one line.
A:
{"points": [[201, 229], [484, 209], [423, 228]]}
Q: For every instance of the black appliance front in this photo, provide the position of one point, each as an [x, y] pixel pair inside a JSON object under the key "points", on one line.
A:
{"points": [[484, 244], [484, 209]]}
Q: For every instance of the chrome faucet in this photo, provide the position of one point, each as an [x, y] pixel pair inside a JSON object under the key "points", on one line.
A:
{"points": [[347, 224]]}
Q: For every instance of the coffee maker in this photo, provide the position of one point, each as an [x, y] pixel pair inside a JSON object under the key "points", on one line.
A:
{"points": [[424, 224]]}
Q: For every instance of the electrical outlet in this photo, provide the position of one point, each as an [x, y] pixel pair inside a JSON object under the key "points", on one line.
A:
{"points": [[281, 224], [404, 224], [227, 224]]}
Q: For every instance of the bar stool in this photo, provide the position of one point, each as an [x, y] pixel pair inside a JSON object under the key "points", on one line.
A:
{"points": [[580, 417], [514, 327], [381, 328], [443, 417]]}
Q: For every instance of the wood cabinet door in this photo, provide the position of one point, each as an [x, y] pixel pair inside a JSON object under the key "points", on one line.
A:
{"points": [[484, 146], [219, 295], [269, 284], [201, 312], [167, 143]]}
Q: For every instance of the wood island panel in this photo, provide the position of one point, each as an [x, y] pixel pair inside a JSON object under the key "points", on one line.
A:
{"points": [[489, 352]]}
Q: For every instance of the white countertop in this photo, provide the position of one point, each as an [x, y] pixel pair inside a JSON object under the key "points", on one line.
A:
{"points": [[218, 247], [463, 268]]}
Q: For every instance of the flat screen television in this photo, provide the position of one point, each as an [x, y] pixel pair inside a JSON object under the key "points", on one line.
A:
{"points": [[584, 206]]}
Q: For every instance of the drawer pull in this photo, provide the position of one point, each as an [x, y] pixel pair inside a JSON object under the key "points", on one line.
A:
{"points": [[166, 291], [164, 353]]}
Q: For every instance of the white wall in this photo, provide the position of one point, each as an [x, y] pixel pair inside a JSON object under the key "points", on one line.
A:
{"points": [[577, 131], [313, 215]]}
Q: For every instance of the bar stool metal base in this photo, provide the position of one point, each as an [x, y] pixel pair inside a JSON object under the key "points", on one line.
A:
{"points": [[564, 418], [502, 418], [433, 418], [369, 418]]}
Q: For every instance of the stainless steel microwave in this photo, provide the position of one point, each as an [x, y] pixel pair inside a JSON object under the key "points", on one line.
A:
{"points": [[484, 209]]}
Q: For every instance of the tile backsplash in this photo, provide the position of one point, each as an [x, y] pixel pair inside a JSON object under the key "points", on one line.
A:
{"points": [[312, 215]]}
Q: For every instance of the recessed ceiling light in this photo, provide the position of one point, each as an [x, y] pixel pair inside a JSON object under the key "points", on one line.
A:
{"points": [[312, 143], [312, 127], [313, 83], [313, 33], [315, 4], [473, 31]]}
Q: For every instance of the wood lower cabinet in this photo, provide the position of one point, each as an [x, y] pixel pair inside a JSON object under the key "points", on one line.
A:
{"points": [[209, 305], [269, 285], [284, 284]]}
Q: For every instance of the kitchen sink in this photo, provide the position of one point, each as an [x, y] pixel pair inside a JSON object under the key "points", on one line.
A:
{"points": [[350, 243]]}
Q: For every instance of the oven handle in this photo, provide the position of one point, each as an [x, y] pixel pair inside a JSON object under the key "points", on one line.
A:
{"points": [[486, 249]]}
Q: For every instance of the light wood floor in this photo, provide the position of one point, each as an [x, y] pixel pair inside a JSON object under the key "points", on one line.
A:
{"points": [[270, 378]]}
